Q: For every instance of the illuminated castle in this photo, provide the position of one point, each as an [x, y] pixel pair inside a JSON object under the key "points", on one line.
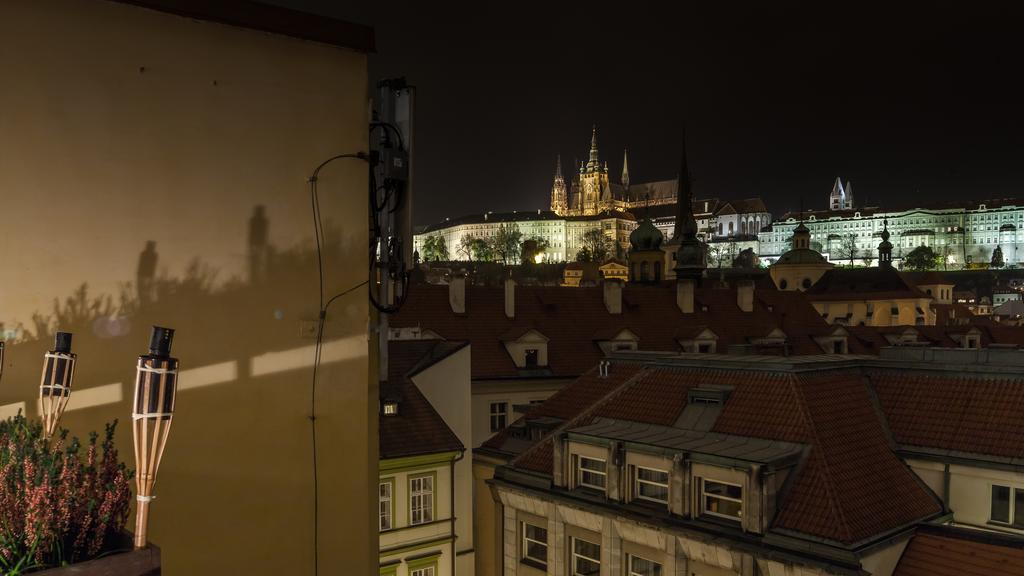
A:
{"points": [[592, 191]]}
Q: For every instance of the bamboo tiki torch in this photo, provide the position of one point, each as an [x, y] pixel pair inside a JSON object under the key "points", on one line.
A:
{"points": [[153, 408], [55, 387]]}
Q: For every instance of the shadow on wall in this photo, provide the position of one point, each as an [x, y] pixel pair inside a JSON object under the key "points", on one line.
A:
{"points": [[246, 350]]}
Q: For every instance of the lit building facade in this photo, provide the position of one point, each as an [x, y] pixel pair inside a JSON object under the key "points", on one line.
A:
{"points": [[966, 233], [564, 234]]}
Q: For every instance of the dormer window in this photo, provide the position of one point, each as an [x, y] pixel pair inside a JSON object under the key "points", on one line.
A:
{"points": [[722, 499], [527, 347], [650, 484], [390, 408], [591, 473]]}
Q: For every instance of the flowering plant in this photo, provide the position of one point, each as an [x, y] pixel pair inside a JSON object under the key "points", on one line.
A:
{"points": [[56, 506]]}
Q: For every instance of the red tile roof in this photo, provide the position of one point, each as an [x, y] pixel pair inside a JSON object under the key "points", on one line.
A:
{"points": [[417, 428], [841, 284], [570, 317], [937, 555], [842, 493], [966, 413]]}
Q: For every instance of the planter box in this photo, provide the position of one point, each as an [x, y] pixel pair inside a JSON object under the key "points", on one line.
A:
{"points": [[145, 562]]}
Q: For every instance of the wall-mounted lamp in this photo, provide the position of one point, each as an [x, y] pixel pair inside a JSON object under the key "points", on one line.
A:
{"points": [[152, 411], [55, 386]]}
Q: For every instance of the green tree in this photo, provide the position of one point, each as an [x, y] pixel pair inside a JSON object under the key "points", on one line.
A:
{"points": [[482, 250], [435, 249], [533, 246], [465, 248], [584, 255], [745, 259], [921, 258], [598, 244], [997, 258], [507, 243]]}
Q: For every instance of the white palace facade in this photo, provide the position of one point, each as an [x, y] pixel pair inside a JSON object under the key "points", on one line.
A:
{"points": [[961, 233]]}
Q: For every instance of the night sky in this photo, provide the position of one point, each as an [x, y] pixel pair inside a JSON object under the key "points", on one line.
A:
{"points": [[913, 104]]}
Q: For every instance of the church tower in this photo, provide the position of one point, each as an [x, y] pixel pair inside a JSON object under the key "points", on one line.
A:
{"points": [[885, 247], [625, 175], [594, 181], [841, 197], [690, 253], [559, 198]]}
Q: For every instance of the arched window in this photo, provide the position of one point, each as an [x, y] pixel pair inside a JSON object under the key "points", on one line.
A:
{"points": [[657, 271], [643, 271]]}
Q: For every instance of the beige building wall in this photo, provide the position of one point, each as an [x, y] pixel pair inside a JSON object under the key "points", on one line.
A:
{"points": [[881, 311], [512, 392], [446, 385], [121, 125], [406, 543], [970, 490]]}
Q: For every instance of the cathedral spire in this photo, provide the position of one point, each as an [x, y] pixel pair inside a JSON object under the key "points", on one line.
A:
{"points": [[685, 226], [594, 162], [690, 254], [625, 169], [558, 169]]}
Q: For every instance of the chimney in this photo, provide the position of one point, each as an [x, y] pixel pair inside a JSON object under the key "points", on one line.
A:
{"points": [[457, 294], [745, 295], [684, 295], [613, 296], [510, 298]]}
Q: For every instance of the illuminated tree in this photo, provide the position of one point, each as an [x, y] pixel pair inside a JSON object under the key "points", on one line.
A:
{"points": [[507, 243], [598, 245], [921, 258], [847, 249], [997, 258], [435, 249]]}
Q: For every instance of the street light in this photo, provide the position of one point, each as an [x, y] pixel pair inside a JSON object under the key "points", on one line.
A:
{"points": [[55, 386], [152, 410]]}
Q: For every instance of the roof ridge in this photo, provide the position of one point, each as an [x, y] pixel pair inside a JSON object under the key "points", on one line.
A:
{"points": [[826, 470], [586, 412]]}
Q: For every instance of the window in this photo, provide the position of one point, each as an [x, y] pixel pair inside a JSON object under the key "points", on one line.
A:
{"points": [[839, 347], [386, 506], [585, 558], [499, 416], [592, 473], [638, 566], [531, 357], [421, 499], [651, 484], [1008, 506], [390, 408], [535, 545], [704, 348], [722, 499], [428, 571]]}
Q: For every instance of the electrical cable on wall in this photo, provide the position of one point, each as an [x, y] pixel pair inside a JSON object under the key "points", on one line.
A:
{"points": [[384, 200]]}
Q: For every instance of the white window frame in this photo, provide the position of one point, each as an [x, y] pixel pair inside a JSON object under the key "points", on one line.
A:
{"points": [[421, 500], [637, 481], [629, 565], [704, 495], [1011, 501], [502, 415], [526, 540], [573, 556], [580, 469], [388, 512], [425, 571]]}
